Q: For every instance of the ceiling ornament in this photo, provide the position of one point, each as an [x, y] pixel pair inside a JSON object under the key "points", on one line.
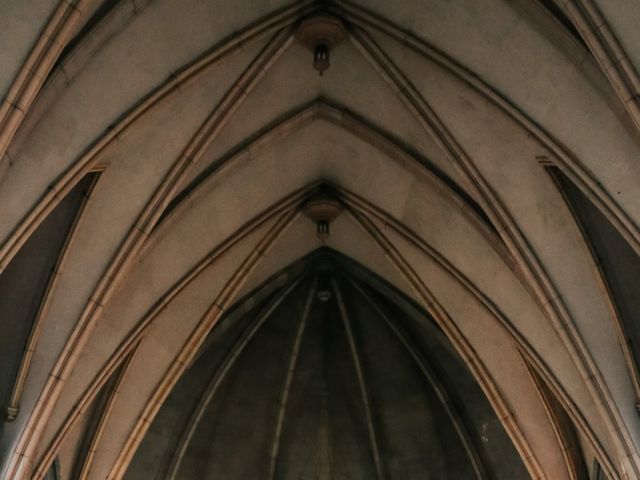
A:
{"points": [[321, 33]]}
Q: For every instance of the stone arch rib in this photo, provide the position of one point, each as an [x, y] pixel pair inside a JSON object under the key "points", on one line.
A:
{"points": [[218, 377]]}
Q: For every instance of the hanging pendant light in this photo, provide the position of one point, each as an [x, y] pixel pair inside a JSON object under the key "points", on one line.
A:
{"points": [[320, 33], [321, 57], [322, 208]]}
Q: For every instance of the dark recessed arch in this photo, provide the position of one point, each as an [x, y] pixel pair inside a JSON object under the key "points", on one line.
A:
{"points": [[26, 286], [324, 418], [617, 267]]}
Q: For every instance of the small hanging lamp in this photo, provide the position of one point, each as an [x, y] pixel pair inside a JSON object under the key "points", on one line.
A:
{"points": [[322, 209], [321, 57], [320, 33]]}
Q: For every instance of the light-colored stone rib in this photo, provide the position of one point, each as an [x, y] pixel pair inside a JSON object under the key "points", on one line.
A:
{"points": [[38, 323], [291, 367], [439, 388], [364, 391], [535, 273], [219, 376], [135, 239], [139, 330], [460, 342], [367, 209], [190, 347], [99, 431]]}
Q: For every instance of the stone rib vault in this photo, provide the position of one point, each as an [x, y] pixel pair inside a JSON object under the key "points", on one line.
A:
{"points": [[320, 239]]}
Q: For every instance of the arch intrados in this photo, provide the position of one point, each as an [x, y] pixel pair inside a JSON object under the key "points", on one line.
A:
{"points": [[102, 376]]}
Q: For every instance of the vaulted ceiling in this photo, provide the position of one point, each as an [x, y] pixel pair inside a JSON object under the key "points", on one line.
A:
{"points": [[173, 307]]}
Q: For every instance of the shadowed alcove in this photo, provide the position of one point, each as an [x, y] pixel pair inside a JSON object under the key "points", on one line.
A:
{"points": [[326, 372]]}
